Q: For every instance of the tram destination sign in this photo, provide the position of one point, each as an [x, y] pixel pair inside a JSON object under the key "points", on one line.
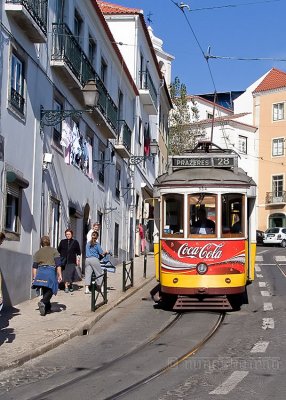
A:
{"points": [[207, 161]]}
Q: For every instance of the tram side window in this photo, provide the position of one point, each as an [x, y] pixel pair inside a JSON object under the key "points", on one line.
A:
{"points": [[202, 208], [233, 212], [173, 215]]}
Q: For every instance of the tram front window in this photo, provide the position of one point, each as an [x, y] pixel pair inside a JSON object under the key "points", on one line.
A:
{"points": [[202, 214], [173, 215], [233, 211]]}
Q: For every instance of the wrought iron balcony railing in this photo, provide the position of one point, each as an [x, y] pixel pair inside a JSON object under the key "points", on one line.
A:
{"points": [[147, 84], [106, 104], [275, 197], [17, 101], [124, 134], [38, 9], [67, 49]]}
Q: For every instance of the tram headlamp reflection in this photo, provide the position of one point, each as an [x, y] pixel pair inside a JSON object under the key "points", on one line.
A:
{"points": [[202, 268]]}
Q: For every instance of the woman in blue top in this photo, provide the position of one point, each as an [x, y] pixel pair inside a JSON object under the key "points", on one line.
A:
{"points": [[93, 254]]}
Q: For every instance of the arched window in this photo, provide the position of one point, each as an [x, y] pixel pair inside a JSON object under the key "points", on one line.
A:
{"points": [[277, 220]]}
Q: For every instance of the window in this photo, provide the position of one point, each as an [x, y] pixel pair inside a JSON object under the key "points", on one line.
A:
{"points": [[142, 72], [117, 182], [92, 50], [77, 26], [17, 84], [59, 7], [54, 221], [277, 187], [242, 144], [116, 240], [101, 166], [103, 70], [232, 215], [278, 111], [278, 147], [140, 131], [57, 132], [13, 201], [209, 115], [202, 211], [173, 220]]}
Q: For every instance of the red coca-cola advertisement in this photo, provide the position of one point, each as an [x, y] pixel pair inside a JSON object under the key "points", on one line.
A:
{"points": [[220, 256]]}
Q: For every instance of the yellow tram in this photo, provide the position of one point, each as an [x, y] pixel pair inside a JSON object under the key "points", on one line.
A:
{"points": [[204, 236]]}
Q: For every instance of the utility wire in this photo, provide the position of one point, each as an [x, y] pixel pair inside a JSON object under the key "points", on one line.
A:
{"points": [[234, 5], [244, 58], [182, 7]]}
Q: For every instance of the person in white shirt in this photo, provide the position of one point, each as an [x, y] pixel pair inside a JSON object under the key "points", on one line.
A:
{"points": [[95, 228]]}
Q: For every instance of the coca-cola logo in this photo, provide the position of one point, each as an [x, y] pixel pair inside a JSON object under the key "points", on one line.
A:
{"points": [[208, 251]]}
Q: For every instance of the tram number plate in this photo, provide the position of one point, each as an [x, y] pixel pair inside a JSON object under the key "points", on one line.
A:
{"points": [[205, 162], [223, 161]]}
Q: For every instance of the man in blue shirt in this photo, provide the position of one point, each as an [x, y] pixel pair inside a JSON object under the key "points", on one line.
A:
{"points": [[93, 253]]}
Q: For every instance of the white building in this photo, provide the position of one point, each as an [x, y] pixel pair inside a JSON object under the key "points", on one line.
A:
{"points": [[227, 130], [150, 67], [49, 50]]}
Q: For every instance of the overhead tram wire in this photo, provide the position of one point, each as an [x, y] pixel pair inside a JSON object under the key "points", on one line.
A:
{"points": [[245, 58], [182, 7]]}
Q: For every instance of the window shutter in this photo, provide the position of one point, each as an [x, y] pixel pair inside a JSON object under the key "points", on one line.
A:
{"points": [[13, 189]]}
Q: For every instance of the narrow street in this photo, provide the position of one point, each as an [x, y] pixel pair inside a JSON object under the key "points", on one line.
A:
{"points": [[134, 341]]}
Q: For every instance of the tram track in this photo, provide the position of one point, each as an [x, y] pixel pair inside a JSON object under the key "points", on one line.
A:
{"points": [[94, 375], [111, 363], [174, 364]]}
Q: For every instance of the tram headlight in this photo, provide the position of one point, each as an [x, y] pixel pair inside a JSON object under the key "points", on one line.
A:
{"points": [[202, 268]]}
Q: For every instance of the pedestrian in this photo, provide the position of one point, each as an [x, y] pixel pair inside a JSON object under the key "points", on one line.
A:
{"points": [[46, 273], [142, 238], [93, 254], [2, 238], [69, 250], [95, 228]]}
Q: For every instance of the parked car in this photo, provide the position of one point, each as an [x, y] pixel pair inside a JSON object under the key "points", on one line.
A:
{"points": [[259, 237], [275, 236]]}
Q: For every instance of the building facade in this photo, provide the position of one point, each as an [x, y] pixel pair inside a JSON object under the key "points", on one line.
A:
{"points": [[64, 165], [150, 68], [269, 112]]}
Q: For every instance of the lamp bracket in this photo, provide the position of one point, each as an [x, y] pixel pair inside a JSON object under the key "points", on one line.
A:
{"points": [[135, 160], [54, 117]]}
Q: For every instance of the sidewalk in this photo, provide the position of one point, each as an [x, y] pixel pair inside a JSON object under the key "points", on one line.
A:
{"points": [[25, 334]]}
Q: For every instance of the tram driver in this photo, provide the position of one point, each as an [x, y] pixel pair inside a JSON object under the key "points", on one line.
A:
{"points": [[203, 225]]}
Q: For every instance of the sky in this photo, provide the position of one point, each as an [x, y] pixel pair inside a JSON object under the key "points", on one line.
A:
{"points": [[248, 29]]}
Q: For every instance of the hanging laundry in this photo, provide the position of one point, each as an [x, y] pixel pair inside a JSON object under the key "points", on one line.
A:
{"points": [[66, 135], [147, 140]]}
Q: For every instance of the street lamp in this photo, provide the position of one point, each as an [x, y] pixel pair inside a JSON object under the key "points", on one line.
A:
{"points": [[90, 95], [154, 147]]}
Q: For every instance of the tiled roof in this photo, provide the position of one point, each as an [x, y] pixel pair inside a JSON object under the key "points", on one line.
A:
{"points": [[275, 79], [110, 8]]}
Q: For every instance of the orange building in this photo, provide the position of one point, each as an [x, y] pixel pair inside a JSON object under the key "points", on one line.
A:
{"points": [[269, 111]]}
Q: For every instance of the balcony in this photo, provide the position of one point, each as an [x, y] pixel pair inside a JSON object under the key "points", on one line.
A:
{"points": [[148, 93], [75, 69], [276, 199], [123, 143], [106, 111], [69, 58], [31, 16]]}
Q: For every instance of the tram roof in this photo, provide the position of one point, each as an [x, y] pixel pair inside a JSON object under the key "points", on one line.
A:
{"points": [[205, 176]]}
